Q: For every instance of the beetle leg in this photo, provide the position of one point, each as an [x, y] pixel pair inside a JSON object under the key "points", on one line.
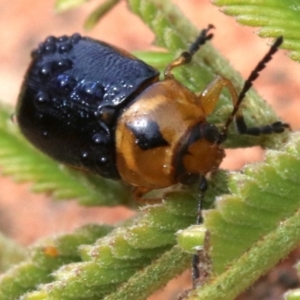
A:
{"points": [[202, 189], [210, 96], [199, 220], [138, 193], [236, 115], [276, 127], [186, 56]]}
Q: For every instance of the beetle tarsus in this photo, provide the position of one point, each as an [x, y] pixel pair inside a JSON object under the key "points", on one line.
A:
{"points": [[186, 56], [276, 127], [195, 270], [248, 83], [203, 185], [201, 39]]}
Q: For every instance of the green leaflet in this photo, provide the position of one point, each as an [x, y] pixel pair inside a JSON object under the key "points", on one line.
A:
{"points": [[48, 255], [10, 253], [94, 17], [62, 5], [292, 295], [275, 18], [99, 13], [256, 226], [129, 263], [264, 195]]}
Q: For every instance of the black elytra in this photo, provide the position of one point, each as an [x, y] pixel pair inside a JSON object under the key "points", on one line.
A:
{"points": [[74, 89]]}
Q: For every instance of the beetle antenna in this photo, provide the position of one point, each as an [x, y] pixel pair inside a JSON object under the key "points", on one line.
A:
{"points": [[248, 84]]}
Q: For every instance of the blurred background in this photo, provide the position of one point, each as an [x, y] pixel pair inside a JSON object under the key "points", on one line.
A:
{"points": [[24, 24]]}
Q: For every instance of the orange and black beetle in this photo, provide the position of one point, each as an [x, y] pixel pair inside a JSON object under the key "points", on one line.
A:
{"points": [[96, 107]]}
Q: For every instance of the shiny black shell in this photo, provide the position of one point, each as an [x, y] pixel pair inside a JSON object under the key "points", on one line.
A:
{"points": [[72, 94]]}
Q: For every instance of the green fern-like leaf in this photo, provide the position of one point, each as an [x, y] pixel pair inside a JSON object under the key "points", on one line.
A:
{"points": [[46, 257], [132, 261], [143, 249], [256, 226], [274, 17], [10, 253], [94, 17], [62, 5], [99, 13], [292, 295]]}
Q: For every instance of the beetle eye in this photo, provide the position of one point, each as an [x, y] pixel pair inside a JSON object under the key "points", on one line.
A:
{"points": [[210, 132]]}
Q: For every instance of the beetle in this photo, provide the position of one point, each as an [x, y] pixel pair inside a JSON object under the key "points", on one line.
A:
{"points": [[96, 107]]}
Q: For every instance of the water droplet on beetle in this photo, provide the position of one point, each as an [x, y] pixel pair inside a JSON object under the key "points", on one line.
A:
{"points": [[84, 155]]}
